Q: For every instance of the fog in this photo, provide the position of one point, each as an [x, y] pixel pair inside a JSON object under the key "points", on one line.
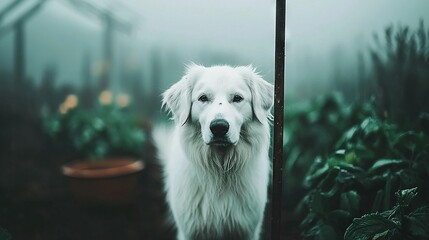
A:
{"points": [[191, 32], [320, 37]]}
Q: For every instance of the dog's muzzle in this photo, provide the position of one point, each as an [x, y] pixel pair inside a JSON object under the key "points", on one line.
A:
{"points": [[219, 129]]}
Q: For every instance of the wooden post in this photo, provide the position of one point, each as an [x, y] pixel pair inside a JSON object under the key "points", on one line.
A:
{"points": [[278, 120]]}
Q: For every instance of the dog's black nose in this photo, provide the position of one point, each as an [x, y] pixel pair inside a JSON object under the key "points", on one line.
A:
{"points": [[219, 127]]}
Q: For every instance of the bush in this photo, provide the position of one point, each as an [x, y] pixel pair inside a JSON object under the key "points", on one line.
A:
{"points": [[373, 160], [401, 70], [95, 134], [312, 130], [400, 222]]}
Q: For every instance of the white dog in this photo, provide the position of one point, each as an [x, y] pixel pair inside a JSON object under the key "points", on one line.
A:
{"points": [[216, 160]]}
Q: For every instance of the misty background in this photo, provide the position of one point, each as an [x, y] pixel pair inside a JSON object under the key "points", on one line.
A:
{"points": [[322, 37], [162, 38]]}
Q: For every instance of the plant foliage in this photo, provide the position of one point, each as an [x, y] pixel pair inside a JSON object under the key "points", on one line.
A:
{"points": [[372, 160], [400, 222], [401, 68], [312, 130], [98, 133]]}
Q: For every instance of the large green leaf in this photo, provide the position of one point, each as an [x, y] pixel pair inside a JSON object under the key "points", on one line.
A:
{"points": [[419, 222], [368, 226], [383, 164]]}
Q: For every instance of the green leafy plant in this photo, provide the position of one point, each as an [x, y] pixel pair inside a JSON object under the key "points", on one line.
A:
{"points": [[400, 62], [373, 159], [352, 159], [400, 222], [98, 133], [312, 130]]}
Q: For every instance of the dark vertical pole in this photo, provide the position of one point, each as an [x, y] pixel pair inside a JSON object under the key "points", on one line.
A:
{"points": [[19, 54], [278, 119]]}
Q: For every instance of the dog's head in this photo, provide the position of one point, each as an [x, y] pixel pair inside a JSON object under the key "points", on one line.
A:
{"points": [[220, 99]]}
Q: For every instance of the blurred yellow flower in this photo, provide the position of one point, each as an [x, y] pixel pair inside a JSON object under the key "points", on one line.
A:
{"points": [[123, 100], [105, 97], [70, 102]]}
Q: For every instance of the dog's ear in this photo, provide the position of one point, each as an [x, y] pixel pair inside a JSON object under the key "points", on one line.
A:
{"points": [[177, 99], [262, 93]]}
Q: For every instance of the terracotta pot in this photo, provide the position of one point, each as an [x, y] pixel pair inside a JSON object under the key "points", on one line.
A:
{"points": [[106, 182]]}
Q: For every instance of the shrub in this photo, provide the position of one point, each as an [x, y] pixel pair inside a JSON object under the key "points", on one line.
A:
{"points": [[400, 222], [401, 69], [312, 130], [373, 160], [94, 134]]}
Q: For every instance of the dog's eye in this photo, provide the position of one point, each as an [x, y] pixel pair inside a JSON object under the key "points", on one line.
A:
{"points": [[237, 98], [203, 98]]}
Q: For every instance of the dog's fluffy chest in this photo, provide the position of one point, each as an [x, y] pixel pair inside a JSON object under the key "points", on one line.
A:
{"points": [[217, 206]]}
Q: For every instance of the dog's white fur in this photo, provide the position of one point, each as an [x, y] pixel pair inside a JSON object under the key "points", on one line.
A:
{"points": [[217, 191]]}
